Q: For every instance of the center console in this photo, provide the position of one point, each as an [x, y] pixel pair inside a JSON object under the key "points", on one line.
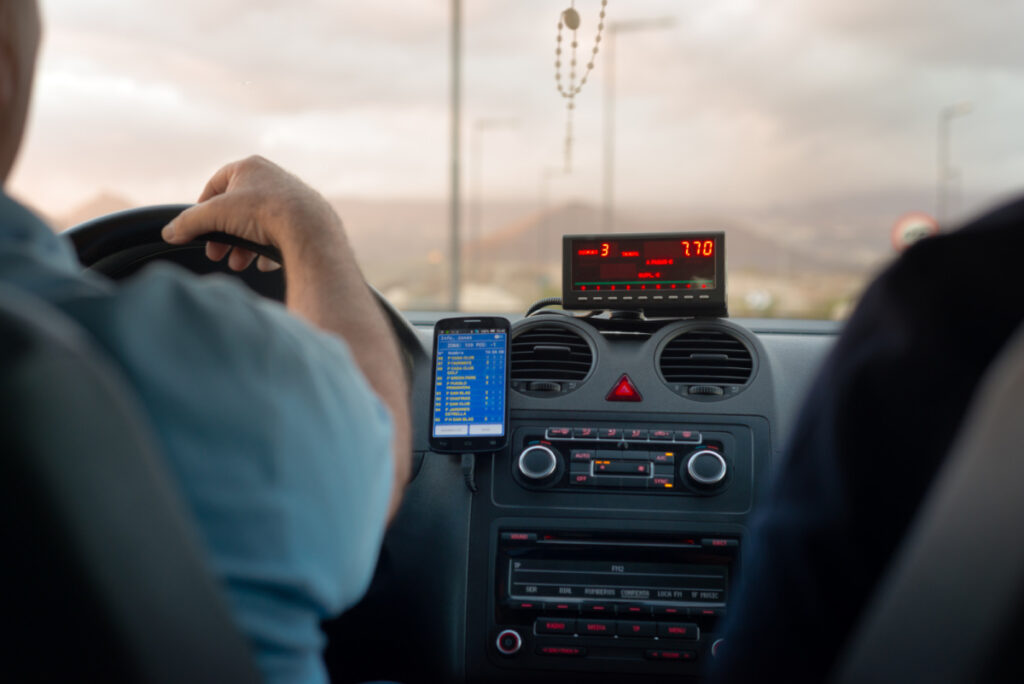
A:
{"points": [[610, 545]]}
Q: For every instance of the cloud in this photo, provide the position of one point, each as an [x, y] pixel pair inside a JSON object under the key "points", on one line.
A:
{"points": [[739, 102]]}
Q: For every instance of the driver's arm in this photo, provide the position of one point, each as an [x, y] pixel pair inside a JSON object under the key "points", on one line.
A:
{"points": [[257, 200]]}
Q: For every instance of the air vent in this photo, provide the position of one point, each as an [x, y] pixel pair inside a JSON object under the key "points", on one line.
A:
{"points": [[706, 364], [549, 360]]}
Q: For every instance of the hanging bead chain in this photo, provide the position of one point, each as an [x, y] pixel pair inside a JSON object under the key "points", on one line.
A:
{"points": [[570, 18]]}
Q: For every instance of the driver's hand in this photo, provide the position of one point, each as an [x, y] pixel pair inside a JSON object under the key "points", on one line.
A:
{"points": [[257, 200]]}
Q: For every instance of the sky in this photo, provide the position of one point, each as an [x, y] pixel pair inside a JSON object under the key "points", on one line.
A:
{"points": [[734, 103]]}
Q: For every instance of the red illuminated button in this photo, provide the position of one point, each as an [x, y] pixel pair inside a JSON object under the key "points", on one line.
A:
{"points": [[687, 436], [636, 628], [596, 627], [584, 433], [624, 390], [569, 651], [634, 435], [509, 642], [561, 607], [661, 435], [609, 433], [598, 608], [581, 479], [524, 605], [681, 656], [634, 609], [582, 455], [670, 611], [559, 433], [519, 536], [678, 630], [554, 626]]}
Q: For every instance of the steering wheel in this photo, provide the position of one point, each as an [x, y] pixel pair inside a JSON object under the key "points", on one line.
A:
{"points": [[120, 244]]}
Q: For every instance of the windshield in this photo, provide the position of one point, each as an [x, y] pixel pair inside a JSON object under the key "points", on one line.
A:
{"points": [[803, 130]]}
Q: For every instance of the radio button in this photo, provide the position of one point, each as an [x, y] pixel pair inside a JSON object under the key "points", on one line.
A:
{"points": [[636, 435], [596, 627], [570, 651], [635, 628], [509, 642], [614, 434], [661, 435], [670, 611], [686, 436], [634, 609], [558, 433], [678, 630], [584, 433], [597, 608], [554, 607], [519, 536], [681, 656], [554, 626], [720, 543]]}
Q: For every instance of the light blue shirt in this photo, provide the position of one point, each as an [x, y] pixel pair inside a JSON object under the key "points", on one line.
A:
{"points": [[280, 447]]}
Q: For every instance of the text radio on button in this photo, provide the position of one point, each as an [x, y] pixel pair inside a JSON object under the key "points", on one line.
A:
{"points": [[554, 626]]}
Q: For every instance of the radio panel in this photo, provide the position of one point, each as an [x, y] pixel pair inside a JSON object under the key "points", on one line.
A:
{"points": [[603, 600]]}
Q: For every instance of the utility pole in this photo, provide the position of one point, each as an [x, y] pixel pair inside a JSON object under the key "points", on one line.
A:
{"points": [[945, 174], [454, 202]]}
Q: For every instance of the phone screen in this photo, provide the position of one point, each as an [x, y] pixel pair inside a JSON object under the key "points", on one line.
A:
{"points": [[470, 383]]}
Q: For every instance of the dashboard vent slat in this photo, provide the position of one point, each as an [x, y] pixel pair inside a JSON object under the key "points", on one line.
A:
{"points": [[705, 356], [550, 353]]}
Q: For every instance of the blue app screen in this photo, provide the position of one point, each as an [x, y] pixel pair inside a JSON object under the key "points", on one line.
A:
{"points": [[469, 383]]}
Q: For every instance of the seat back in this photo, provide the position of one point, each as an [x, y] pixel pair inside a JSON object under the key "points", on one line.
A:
{"points": [[949, 607], [104, 578]]}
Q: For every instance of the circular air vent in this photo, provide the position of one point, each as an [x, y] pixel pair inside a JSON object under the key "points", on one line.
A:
{"points": [[549, 360], [706, 364]]}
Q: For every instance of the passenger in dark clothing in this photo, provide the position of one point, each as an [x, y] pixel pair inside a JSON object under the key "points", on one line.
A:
{"points": [[877, 424]]}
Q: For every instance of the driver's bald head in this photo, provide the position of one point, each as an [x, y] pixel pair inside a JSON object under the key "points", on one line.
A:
{"points": [[19, 40]]}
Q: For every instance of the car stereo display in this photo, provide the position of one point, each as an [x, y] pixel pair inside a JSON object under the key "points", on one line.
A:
{"points": [[678, 273]]}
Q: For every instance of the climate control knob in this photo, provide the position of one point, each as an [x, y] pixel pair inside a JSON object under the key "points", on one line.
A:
{"points": [[706, 467], [537, 462]]}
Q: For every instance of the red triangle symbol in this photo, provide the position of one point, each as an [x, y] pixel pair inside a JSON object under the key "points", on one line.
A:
{"points": [[624, 390]]}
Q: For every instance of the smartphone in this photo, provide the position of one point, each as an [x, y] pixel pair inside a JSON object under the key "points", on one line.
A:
{"points": [[469, 401]]}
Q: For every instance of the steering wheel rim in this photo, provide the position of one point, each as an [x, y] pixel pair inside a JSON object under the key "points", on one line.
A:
{"points": [[120, 243]]}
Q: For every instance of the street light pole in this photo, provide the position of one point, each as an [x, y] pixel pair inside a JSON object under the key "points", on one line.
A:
{"points": [[454, 216], [476, 174], [608, 176], [944, 173]]}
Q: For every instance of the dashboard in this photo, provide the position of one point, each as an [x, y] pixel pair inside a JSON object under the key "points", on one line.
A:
{"points": [[603, 541], [601, 544]]}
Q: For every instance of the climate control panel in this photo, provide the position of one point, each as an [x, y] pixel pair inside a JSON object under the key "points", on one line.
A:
{"points": [[668, 459]]}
